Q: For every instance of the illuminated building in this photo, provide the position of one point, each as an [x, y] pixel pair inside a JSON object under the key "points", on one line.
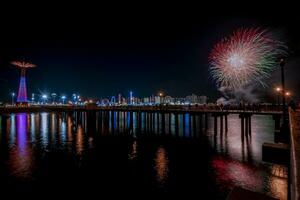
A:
{"points": [[120, 99], [113, 100], [146, 100], [130, 97], [195, 99], [157, 100], [168, 99]]}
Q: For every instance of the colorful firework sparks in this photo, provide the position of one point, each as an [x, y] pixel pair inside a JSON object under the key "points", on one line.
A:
{"points": [[23, 64], [247, 56]]}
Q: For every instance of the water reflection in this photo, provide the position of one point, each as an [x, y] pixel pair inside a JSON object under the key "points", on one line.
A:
{"points": [[133, 151], [231, 173], [161, 166], [32, 127], [20, 156], [12, 130], [62, 129], [145, 137], [79, 140], [53, 130], [44, 129]]}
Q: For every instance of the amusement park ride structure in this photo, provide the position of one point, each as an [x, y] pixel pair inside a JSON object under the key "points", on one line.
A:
{"points": [[22, 99]]}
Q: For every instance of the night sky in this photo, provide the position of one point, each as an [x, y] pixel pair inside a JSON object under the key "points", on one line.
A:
{"points": [[100, 51]]}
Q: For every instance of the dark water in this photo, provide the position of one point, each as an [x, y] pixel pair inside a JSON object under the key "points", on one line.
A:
{"points": [[49, 154]]}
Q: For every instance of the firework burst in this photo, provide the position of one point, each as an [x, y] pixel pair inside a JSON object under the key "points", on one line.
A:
{"points": [[247, 56]]}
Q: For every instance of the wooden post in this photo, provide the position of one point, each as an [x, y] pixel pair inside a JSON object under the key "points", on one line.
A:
{"points": [[242, 126], [226, 123], [163, 123], [221, 123], [170, 121], [250, 125], [194, 125], [215, 125], [183, 124], [206, 121], [176, 125]]}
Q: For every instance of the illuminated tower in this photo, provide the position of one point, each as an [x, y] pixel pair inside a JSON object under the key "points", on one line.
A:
{"points": [[22, 93], [130, 97]]}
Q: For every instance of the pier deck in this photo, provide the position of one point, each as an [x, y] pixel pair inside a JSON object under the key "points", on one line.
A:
{"points": [[295, 153]]}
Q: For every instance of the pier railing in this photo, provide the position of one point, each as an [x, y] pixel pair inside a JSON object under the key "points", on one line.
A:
{"points": [[209, 108]]}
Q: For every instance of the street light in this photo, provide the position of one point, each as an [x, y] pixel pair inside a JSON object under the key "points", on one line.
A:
{"points": [[53, 95], [74, 98], [12, 98], [278, 90], [44, 97], [288, 95], [63, 99], [284, 116], [32, 97]]}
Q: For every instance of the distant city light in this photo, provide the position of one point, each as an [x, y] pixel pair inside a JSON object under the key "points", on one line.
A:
{"points": [[12, 97], [278, 89], [44, 97], [63, 97], [130, 97]]}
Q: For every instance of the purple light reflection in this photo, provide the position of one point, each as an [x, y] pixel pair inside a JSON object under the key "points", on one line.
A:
{"points": [[20, 156]]}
